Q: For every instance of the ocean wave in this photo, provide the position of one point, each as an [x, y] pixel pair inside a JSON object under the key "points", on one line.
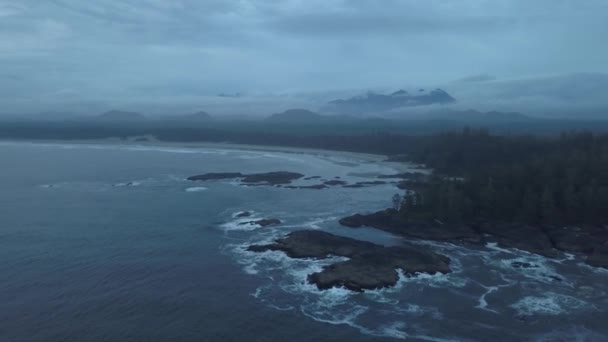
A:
{"points": [[337, 305], [530, 266], [549, 304], [241, 223]]}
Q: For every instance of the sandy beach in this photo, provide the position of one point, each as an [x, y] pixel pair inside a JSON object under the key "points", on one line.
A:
{"points": [[153, 142]]}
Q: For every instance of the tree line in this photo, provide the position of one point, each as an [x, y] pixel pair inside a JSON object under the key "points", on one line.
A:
{"points": [[537, 180]]}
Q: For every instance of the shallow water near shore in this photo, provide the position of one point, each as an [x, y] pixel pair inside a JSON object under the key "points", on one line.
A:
{"points": [[110, 242]]}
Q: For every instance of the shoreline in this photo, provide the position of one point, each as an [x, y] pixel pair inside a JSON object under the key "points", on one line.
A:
{"points": [[367, 157]]}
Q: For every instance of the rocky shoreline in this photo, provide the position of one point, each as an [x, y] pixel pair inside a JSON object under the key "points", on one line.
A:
{"points": [[284, 179], [590, 242], [369, 266]]}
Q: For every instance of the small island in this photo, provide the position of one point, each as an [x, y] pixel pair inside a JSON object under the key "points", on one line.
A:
{"points": [[369, 266]]}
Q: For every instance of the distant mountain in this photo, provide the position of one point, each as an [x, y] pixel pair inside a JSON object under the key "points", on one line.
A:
{"points": [[295, 115], [198, 116], [120, 115], [372, 103]]}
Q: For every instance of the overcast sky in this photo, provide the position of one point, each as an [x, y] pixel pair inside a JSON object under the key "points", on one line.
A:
{"points": [[62, 50]]}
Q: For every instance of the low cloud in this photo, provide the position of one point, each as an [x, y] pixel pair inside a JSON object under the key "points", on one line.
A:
{"points": [[115, 51]]}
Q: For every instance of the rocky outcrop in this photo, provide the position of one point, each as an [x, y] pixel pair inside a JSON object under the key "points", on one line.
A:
{"points": [[521, 236], [588, 241], [370, 266], [389, 220], [262, 222], [273, 178], [598, 257], [378, 269], [267, 178], [311, 187]]}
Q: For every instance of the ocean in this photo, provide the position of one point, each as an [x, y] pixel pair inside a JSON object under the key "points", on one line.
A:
{"points": [[110, 242]]}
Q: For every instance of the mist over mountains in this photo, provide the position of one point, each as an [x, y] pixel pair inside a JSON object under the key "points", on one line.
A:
{"points": [[576, 96], [373, 103]]}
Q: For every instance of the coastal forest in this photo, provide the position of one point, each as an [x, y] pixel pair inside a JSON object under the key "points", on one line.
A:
{"points": [[527, 179]]}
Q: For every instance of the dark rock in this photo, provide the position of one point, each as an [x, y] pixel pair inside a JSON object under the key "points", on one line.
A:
{"points": [[312, 177], [548, 241], [318, 244], [263, 222], [268, 178], [311, 187], [370, 266], [578, 239], [377, 269], [273, 178], [391, 221], [244, 214], [599, 257], [521, 236], [216, 176]]}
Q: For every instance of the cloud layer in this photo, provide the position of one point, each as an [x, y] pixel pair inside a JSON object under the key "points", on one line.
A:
{"points": [[157, 51]]}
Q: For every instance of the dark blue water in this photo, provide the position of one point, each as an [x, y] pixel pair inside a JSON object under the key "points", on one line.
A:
{"points": [[108, 242]]}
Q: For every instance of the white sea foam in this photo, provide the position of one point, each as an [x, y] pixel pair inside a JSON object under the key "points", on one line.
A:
{"points": [[549, 304], [483, 304], [535, 267], [437, 280], [394, 330], [258, 292], [251, 268], [241, 223], [494, 246], [196, 189]]}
